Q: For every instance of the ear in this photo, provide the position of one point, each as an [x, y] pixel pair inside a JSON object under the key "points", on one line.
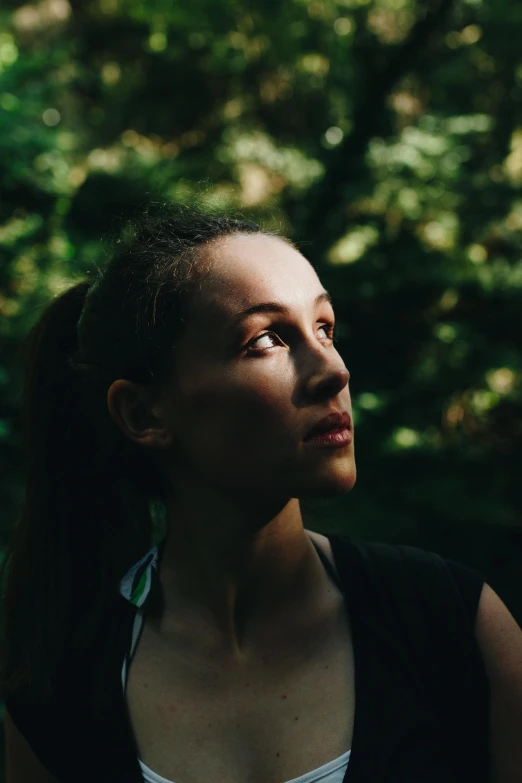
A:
{"points": [[136, 410]]}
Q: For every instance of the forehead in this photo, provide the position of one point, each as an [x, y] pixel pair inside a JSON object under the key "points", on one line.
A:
{"points": [[247, 269]]}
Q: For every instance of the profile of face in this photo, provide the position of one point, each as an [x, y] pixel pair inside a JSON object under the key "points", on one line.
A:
{"points": [[245, 391]]}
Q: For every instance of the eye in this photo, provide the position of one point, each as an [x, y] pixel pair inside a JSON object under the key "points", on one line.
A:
{"points": [[328, 327]]}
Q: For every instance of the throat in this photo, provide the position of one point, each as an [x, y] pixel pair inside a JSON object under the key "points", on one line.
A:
{"points": [[276, 643], [240, 620]]}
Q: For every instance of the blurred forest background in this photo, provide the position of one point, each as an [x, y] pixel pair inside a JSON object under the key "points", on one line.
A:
{"points": [[384, 136]]}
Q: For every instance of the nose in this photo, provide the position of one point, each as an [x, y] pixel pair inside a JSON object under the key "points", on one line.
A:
{"points": [[327, 370], [329, 383]]}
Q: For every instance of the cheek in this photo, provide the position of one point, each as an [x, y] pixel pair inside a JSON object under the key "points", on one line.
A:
{"points": [[225, 414]]}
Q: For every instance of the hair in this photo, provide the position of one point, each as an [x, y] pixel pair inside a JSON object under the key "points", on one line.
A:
{"points": [[90, 492]]}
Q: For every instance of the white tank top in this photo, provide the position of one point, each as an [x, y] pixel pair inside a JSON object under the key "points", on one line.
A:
{"points": [[135, 587]]}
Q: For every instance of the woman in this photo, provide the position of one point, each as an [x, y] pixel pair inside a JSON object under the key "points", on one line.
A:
{"points": [[194, 375]]}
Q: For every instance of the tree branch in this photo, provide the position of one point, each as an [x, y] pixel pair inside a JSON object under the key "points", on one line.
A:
{"points": [[344, 163]]}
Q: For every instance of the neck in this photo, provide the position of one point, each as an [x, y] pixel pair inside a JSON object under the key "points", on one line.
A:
{"points": [[233, 583]]}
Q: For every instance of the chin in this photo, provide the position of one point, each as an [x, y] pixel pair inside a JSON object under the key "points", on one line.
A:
{"points": [[337, 483]]}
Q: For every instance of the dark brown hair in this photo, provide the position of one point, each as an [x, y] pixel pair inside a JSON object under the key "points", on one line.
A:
{"points": [[87, 514]]}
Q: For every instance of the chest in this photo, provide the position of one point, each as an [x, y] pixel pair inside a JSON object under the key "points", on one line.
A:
{"points": [[268, 722]]}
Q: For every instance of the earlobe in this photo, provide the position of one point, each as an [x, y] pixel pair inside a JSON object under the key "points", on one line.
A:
{"points": [[157, 438], [160, 439]]}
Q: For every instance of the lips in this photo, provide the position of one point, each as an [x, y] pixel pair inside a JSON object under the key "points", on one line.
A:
{"points": [[335, 421]]}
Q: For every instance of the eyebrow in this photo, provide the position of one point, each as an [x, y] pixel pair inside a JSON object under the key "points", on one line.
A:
{"points": [[275, 307]]}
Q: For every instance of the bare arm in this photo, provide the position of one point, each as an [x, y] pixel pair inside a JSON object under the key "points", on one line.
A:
{"points": [[500, 641], [22, 766]]}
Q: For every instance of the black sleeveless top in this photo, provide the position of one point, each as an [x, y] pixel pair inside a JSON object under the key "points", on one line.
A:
{"points": [[421, 690]]}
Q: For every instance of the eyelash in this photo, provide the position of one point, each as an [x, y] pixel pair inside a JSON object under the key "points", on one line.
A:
{"points": [[329, 326]]}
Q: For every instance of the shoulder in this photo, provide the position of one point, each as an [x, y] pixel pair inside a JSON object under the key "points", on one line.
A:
{"points": [[497, 631], [499, 638]]}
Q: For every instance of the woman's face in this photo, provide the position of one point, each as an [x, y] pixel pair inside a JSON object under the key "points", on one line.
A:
{"points": [[246, 390]]}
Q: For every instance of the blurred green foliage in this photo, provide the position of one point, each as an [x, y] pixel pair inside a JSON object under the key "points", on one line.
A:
{"points": [[384, 136]]}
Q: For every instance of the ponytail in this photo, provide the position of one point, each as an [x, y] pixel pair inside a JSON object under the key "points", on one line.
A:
{"points": [[69, 545]]}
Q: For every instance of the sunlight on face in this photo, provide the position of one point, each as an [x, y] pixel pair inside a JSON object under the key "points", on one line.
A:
{"points": [[250, 386]]}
